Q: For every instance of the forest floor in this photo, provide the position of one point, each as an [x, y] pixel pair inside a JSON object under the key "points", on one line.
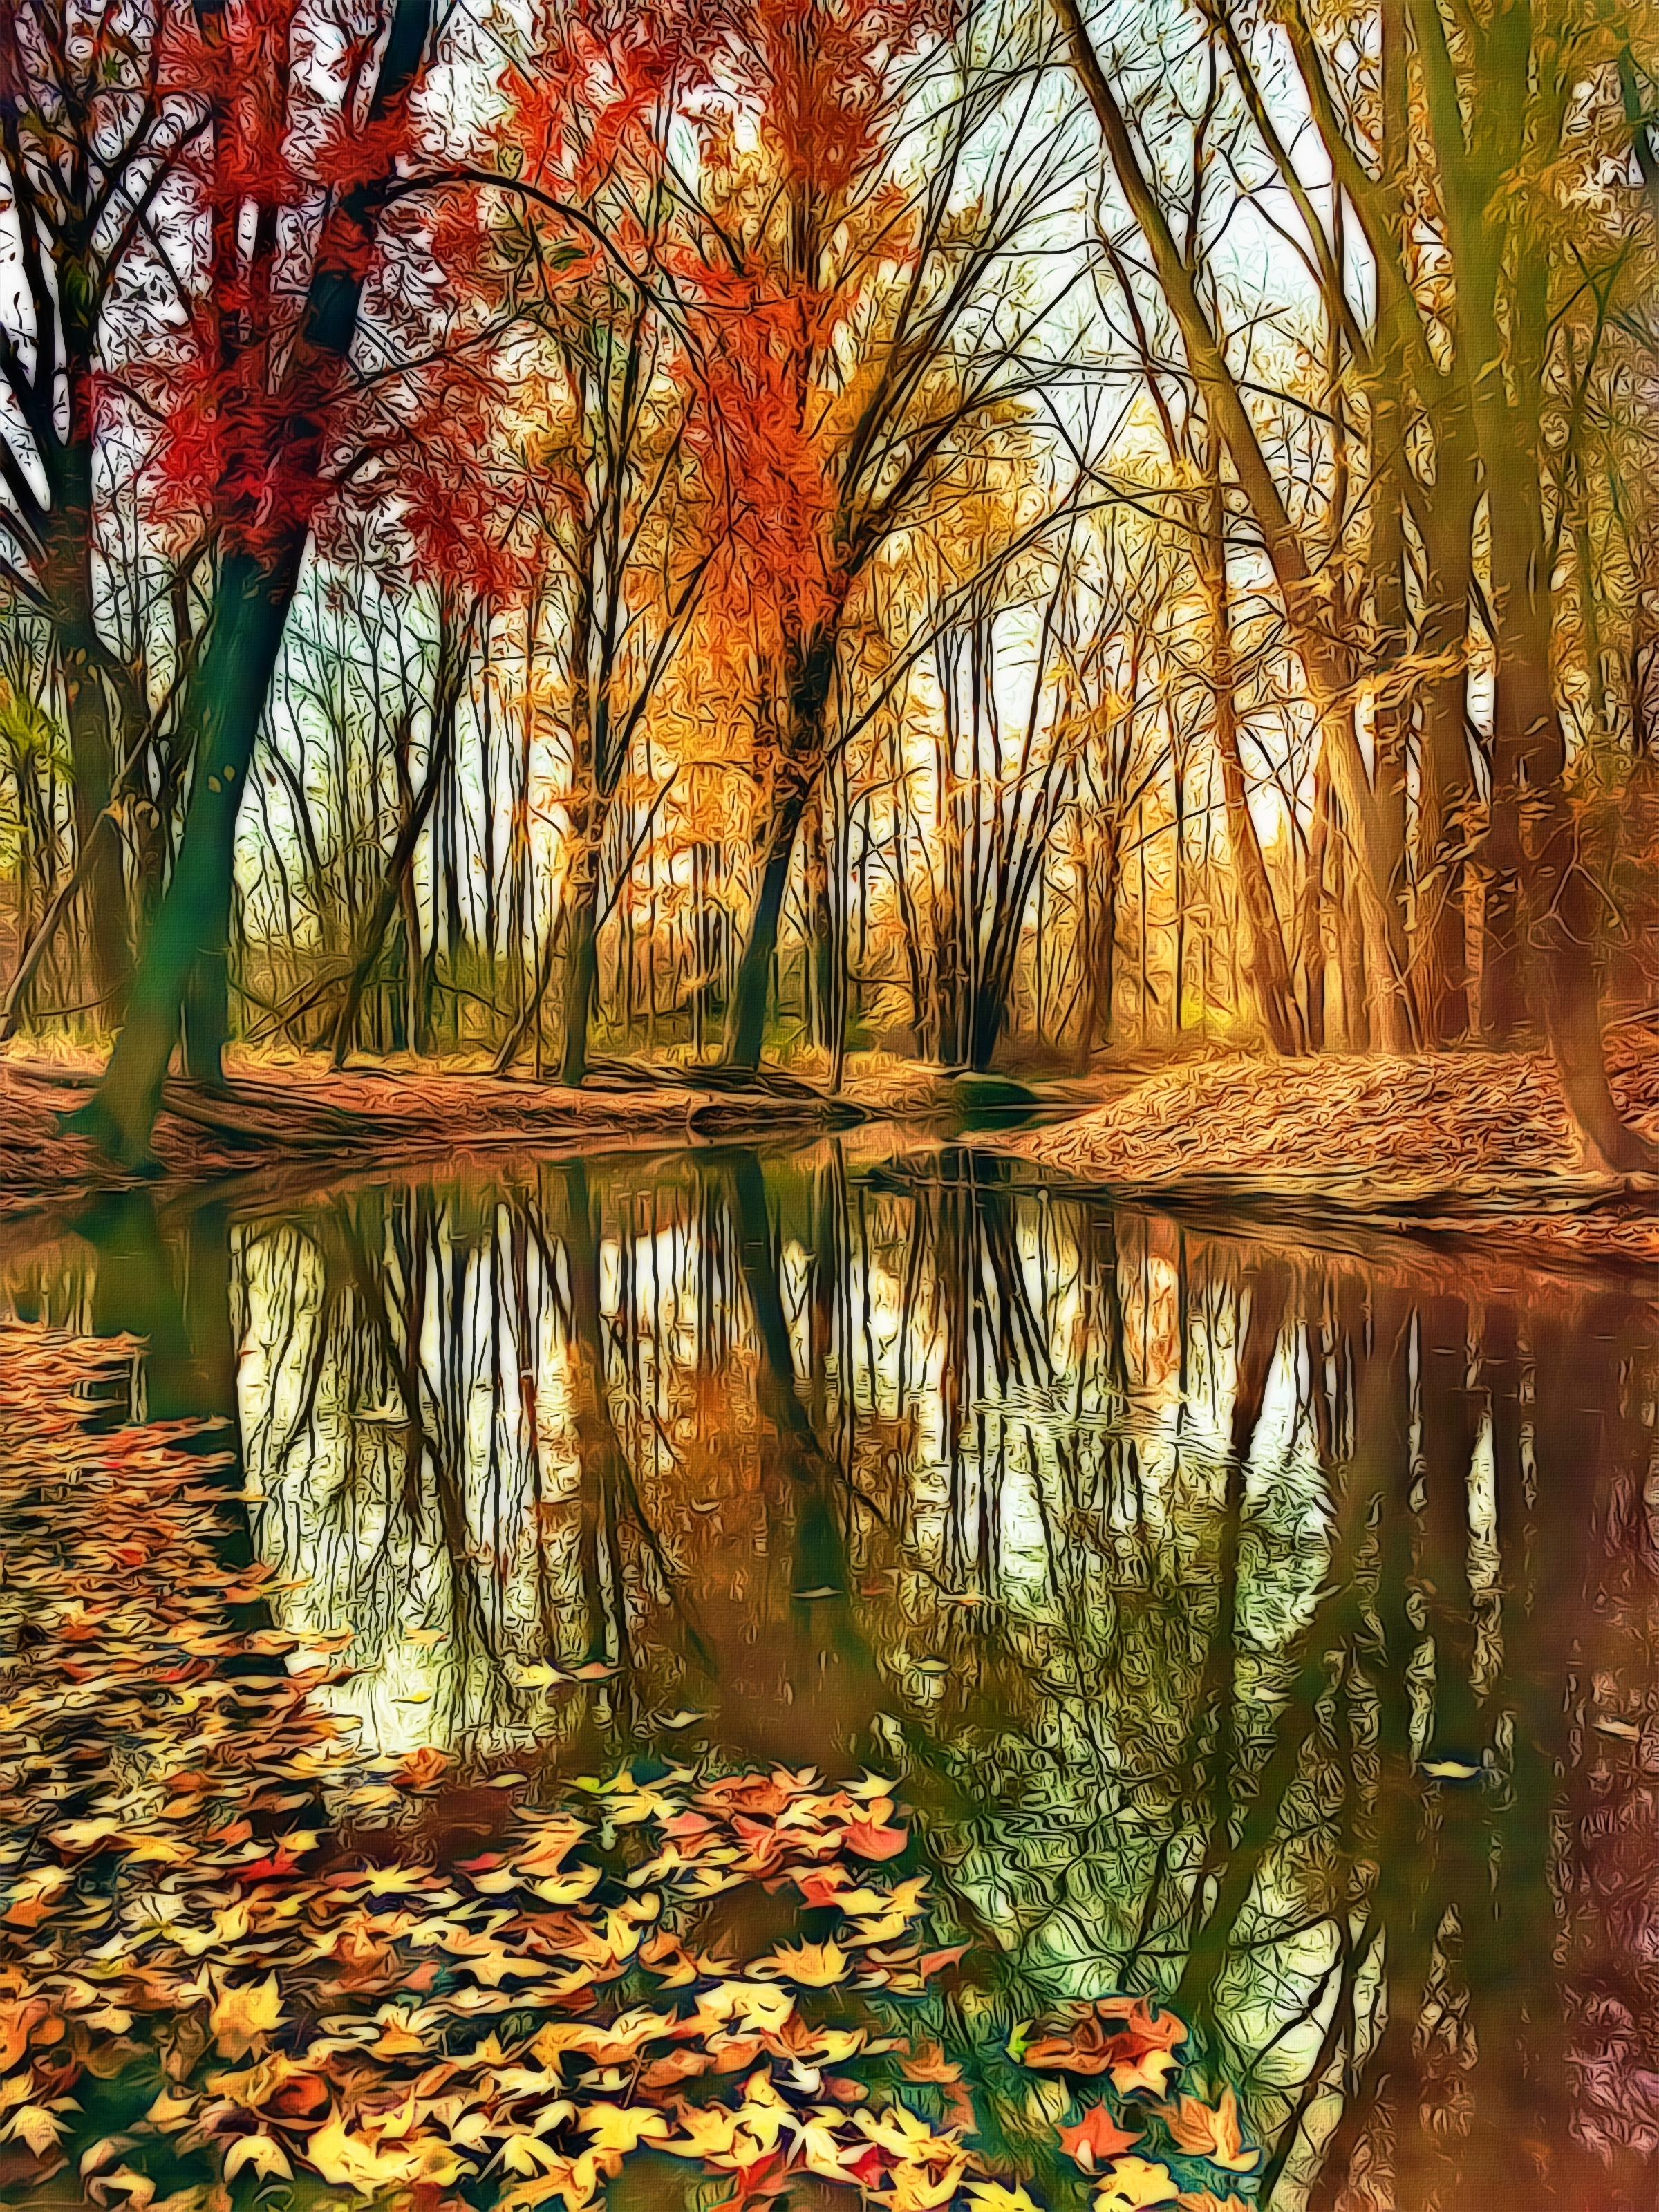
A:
{"points": [[278, 1113], [1439, 1140], [1442, 1141]]}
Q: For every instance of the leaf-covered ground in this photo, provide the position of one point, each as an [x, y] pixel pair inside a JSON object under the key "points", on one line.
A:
{"points": [[237, 1963], [274, 1113], [1436, 1136]]}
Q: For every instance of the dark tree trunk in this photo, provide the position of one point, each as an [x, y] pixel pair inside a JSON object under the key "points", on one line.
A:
{"points": [[225, 701], [800, 758], [745, 1018], [582, 965]]}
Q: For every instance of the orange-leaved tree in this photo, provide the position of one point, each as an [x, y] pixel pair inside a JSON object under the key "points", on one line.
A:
{"points": [[594, 261], [869, 171]]}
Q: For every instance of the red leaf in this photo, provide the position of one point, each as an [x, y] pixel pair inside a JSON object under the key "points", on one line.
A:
{"points": [[867, 1841]]}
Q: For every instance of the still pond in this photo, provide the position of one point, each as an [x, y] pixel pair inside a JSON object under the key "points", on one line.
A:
{"points": [[1268, 1630]]}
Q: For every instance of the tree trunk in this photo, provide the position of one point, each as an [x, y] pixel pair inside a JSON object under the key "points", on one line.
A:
{"points": [[1555, 895], [1350, 950], [800, 757], [1268, 966], [581, 962], [205, 1012], [745, 1018], [454, 661], [822, 949], [988, 1018], [1311, 941], [66, 579], [227, 698], [1439, 949], [1326, 658], [224, 695], [1489, 109]]}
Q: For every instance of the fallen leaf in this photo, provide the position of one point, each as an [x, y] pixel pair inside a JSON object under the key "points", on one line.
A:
{"points": [[261, 2152], [996, 2196], [1095, 2138], [621, 2127], [34, 2125], [816, 1965], [1131, 2184], [1212, 2134], [243, 2017], [867, 1839]]}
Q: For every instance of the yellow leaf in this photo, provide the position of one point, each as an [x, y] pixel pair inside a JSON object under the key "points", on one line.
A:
{"points": [[84, 1835], [1132, 2183], [161, 1850], [243, 2017], [895, 1909], [401, 2027], [550, 1846], [815, 1966], [397, 1881], [568, 1888], [170, 2110], [528, 2155], [577, 2182], [41, 2130], [816, 2149], [918, 2189], [34, 1895], [709, 2132], [992, 2197], [622, 2127], [348, 2161], [756, 2004], [264, 2154], [905, 2134], [137, 2188]]}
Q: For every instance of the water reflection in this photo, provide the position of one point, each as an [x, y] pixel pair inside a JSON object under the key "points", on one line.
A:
{"points": [[1271, 1629]]}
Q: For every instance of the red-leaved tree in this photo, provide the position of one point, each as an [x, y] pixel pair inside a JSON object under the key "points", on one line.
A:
{"points": [[252, 416]]}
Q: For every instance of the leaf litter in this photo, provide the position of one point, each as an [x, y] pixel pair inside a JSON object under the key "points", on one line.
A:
{"points": [[231, 1959], [1435, 1139]]}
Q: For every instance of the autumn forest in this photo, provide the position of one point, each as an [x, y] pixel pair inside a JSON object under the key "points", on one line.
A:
{"points": [[829, 1105], [984, 533]]}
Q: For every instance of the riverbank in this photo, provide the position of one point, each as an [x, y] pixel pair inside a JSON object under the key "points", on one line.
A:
{"points": [[299, 1111], [363, 1117], [1443, 1139]]}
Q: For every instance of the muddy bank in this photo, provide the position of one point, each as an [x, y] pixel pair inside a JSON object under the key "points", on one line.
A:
{"points": [[302, 1112], [1459, 1140], [363, 1117]]}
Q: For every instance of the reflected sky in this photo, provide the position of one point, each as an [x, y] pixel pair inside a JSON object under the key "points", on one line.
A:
{"points": [[1270, 1628]]}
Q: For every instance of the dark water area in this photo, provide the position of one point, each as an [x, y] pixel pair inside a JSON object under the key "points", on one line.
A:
{"points": [[1271, 1629]]}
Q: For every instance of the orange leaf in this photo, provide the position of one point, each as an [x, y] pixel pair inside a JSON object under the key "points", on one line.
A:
{"points": [[1096, 2136], [1215, 2135]]}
